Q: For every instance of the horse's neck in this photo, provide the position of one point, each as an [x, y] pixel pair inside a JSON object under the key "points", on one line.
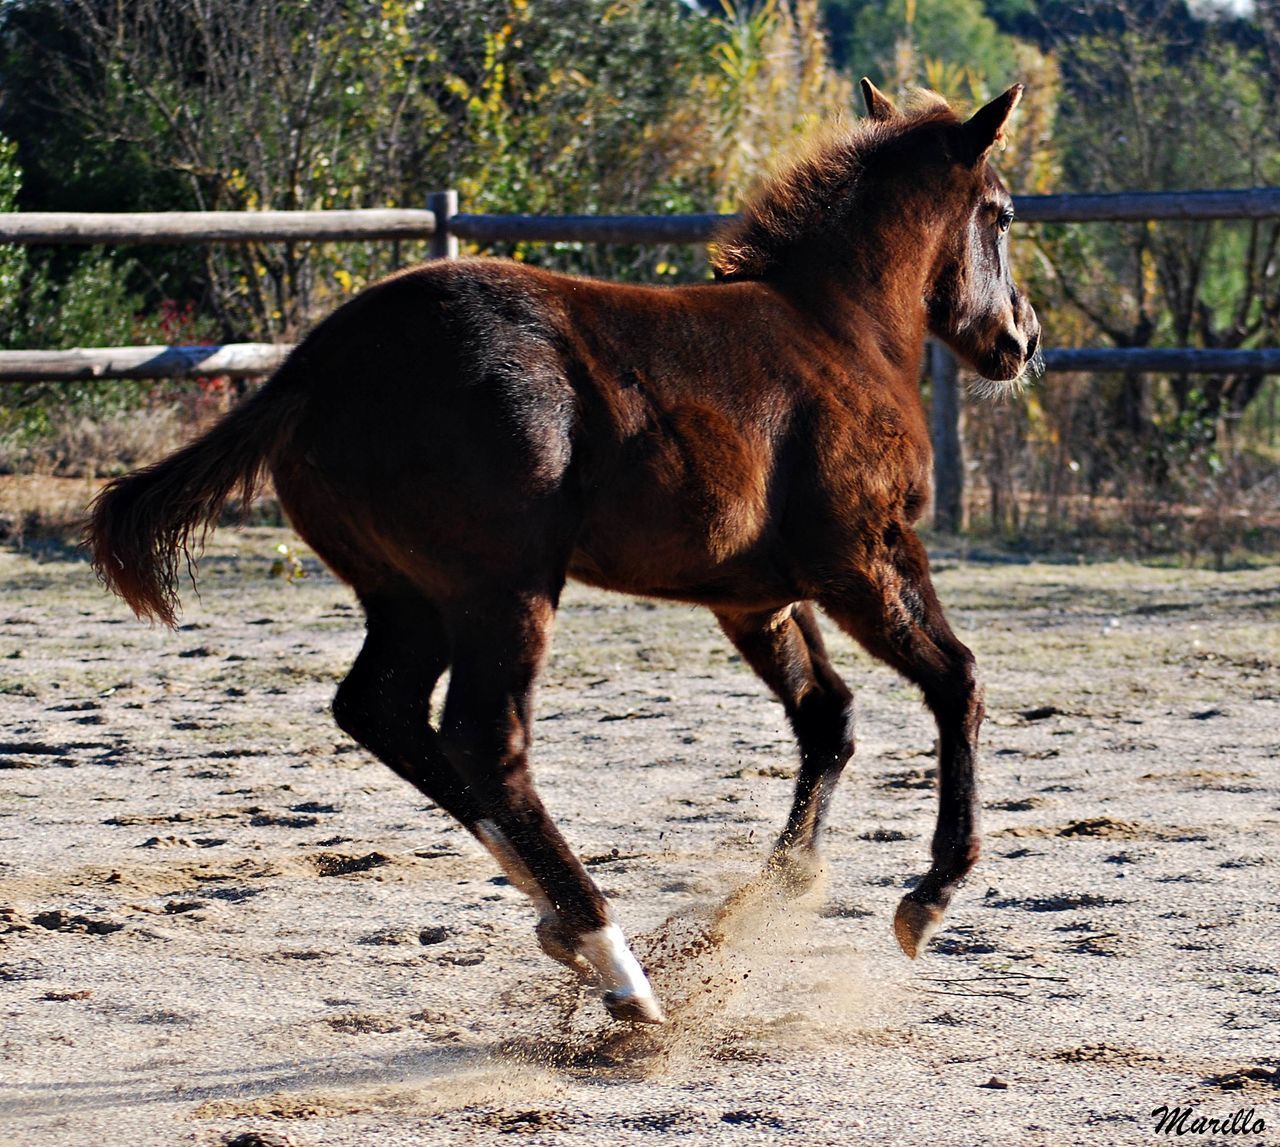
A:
{"points": [[872, 293]]}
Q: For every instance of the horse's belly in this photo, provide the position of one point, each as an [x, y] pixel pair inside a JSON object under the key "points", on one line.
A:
{"points": [[705, 549]]}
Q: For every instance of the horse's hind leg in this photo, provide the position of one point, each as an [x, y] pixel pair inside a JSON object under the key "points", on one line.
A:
{"points": [[384, 702], [498, 644], [786, 650], [897, 618]]}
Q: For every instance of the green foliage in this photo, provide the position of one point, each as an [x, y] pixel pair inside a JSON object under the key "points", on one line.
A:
{"points": [[91, 306], [951, 46], [326, 104], [548, 121], [13, 259], [87, 301]]}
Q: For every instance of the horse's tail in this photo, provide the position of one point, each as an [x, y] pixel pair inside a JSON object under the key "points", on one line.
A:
{"points": [[140, 523]]}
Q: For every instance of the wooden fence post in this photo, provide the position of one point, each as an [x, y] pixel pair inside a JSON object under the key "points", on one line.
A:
{"points": [[444, 243], [944, 429]]}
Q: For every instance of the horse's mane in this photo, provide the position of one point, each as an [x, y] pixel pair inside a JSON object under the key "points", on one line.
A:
{"points": [[810, 195]]}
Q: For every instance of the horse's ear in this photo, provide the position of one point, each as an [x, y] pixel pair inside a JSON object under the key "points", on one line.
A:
{"points": [[985, 128], [878, 104]]}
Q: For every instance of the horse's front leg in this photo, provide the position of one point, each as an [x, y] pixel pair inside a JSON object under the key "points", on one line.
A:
{"points": [[890, 607], [785, 649]]}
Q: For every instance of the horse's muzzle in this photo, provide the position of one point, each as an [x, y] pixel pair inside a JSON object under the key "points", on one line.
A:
{"points": [[1016, 348]]}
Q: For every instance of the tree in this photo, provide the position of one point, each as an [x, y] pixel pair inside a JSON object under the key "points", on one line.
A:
{"points": [[231, 104], [1127, 127], [950, 46]]}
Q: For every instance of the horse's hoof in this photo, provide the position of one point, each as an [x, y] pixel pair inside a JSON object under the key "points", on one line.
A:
{"points": [[634, 1009], [914, 925], [627, 994]]}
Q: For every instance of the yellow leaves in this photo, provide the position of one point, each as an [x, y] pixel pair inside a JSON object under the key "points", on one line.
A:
{"points": [[344, 280], [489, 100], [1031, 164], [959, 83], [1040, 427], [1150, 268], [560, 78], [287, 565], [774, 80], [742, 53]]}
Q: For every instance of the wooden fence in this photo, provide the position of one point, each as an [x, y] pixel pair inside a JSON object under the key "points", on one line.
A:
{"points": [[443, 226], [441, 217], [249, 360]]}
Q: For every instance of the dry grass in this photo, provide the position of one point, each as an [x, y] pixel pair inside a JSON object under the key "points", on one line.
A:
{"points": [[79, 445]]}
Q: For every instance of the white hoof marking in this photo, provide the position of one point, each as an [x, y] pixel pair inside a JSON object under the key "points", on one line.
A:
{"points": [[619, 971]]}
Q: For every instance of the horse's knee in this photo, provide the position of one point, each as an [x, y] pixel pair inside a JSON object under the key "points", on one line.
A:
{"points": [[375, 704], [843, 726], [971, 689], [491, 755], [960, 669], [398, 732]]}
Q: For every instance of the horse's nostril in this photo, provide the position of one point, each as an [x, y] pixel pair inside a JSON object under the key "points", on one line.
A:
{"points": [[1009, 345], [1033, 342]]}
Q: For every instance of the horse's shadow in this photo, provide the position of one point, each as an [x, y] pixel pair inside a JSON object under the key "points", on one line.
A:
{"points": [[245, 1083]]}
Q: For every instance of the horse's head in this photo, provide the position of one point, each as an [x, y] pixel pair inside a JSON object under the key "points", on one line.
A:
{"points": [[973, 304]]}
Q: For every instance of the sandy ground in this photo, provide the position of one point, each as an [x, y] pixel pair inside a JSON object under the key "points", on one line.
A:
{"points": [[222, 922]]}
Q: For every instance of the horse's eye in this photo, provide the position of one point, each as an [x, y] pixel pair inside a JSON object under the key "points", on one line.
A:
{"points": [[1006, 218]]}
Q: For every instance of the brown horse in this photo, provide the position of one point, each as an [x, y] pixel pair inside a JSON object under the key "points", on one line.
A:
{"points": [[459, 439]]}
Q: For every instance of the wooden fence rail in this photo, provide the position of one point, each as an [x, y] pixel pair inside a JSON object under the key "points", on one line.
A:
{"points": [[164, 227], [1162, 360], [236, 360], [156, 227], [247, 360]]}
